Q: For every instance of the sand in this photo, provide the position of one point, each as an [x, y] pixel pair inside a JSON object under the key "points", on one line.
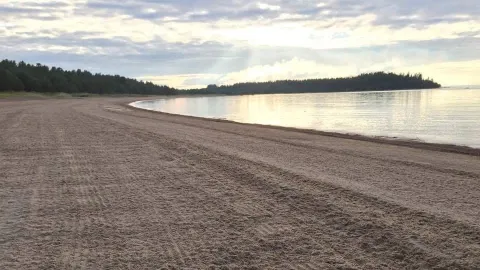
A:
{"points": [[94, 184]]}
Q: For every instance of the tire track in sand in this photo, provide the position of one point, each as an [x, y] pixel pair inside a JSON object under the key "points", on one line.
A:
{"points": [[171, 200]]}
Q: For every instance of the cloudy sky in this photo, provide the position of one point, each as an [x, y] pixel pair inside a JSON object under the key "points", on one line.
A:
{"points": [[191, 43]]}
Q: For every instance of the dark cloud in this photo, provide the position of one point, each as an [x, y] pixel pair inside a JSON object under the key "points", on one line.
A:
{"points": [[420, 13], [65, 39], [51, 4], [184, 10], [118, 53], [13, 10], [395, 14], [32, 10], [399, 13]]}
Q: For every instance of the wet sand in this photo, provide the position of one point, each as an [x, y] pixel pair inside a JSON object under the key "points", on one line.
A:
{"points": [[92, 183]]}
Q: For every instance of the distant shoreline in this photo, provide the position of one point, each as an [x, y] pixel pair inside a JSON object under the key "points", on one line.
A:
{"points": [[23, 95], [22, 76]]}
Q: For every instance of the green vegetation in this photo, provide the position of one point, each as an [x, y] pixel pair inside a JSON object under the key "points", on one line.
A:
{"points": [[21, 77], [11, 94], [363, 82], [37, 95], [38, 78]]}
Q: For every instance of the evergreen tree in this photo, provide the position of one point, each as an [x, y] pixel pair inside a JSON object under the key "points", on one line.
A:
{"points": [[10, 82], [362, 82], [31, 84], [40, 78]]}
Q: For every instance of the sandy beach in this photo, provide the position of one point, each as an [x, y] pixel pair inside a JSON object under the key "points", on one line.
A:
{"points": [[95, 184]]}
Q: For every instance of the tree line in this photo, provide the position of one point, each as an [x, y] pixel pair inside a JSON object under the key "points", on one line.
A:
{"points": [[40, 78], [364, 82]]}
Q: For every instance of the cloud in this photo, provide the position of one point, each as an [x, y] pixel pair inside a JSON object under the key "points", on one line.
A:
{"points": [[183, 81], [232, 40], [290, 27], [300, 69], [267, 6], [449, 73], [292, 69]]}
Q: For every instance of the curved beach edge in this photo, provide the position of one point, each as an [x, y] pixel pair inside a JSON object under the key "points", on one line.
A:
{"points": [[412, 143]]}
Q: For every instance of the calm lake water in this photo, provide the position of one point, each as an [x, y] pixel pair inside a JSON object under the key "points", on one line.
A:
{"points": [[445, 115]]}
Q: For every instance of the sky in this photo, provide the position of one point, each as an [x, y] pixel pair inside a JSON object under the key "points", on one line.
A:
{"points": [[192, 43]]}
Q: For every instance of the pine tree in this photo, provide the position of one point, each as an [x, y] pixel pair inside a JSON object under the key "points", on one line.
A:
{"points": [[10, 82]]}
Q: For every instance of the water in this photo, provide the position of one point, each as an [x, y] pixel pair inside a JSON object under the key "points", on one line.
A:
{"points": [[445, 115]]}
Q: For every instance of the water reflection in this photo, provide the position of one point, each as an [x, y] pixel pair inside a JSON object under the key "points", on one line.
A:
{"points": [[444, 115]]}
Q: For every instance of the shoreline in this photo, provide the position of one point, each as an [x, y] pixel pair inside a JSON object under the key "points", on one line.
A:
{"points": [[412, 143], [190, 192], [32, 95]]}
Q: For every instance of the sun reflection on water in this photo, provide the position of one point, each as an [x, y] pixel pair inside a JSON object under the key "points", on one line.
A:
{"points": [[443, 115]]}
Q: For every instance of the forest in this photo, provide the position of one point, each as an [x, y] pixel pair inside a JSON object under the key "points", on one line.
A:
{"points": [[39, 78], [43, 79], [363, 82]]}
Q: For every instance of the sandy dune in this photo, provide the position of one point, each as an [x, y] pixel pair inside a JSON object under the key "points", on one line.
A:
{"points": [[92, 184]]}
